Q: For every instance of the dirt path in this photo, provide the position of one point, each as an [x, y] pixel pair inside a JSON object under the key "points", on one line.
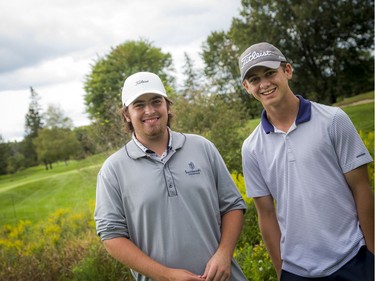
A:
{"points": [[358, 102]]}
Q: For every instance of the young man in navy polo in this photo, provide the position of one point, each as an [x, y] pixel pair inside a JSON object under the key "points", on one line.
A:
{"points": [[308, 159]]}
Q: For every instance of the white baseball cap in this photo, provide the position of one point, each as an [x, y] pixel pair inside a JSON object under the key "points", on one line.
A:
{"points": [[141, 83]]}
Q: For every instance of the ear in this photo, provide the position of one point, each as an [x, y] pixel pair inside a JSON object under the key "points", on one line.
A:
{"points": [[246, 86], [126, 116], [289, 71]]}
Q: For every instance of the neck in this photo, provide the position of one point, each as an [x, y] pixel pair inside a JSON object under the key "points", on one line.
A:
{"points": [[283, 115], [157, 144]]}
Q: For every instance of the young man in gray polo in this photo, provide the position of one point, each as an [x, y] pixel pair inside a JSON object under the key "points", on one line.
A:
{"points": [[166, 205], [310, 160]]}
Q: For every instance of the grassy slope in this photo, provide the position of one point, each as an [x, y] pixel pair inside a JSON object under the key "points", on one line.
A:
{"points": [[34, 193], [360, 109], [362, 116], [358, 98]]}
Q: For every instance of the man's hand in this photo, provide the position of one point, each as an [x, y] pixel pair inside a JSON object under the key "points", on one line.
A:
{"points": [[180, 275], [218, 268]]}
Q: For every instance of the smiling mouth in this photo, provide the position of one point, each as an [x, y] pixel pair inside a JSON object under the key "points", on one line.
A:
{"points": [[151, 120], [269, 92]]}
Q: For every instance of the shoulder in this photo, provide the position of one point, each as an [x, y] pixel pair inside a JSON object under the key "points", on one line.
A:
{"points": [[325, 110], [198, 145], [114, 160], [196, 139], [331, 114], [254, 137]]}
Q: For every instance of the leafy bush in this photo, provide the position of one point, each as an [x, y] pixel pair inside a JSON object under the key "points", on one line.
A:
{"points": [[368, 140], [99, 265], [45, 251], [250, 252], [256, 263]]}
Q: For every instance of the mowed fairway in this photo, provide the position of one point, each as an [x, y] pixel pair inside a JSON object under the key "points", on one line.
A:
{"points": [[35, 193]]}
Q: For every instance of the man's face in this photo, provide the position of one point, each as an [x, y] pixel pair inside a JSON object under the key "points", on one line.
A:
{"points": [[148, 115], [268, 85]]}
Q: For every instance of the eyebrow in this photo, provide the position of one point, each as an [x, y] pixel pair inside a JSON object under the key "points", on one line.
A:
{"points": [[156, 97], [265, 70]]}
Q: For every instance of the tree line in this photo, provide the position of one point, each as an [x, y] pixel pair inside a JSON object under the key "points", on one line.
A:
{"points": [[329, 44]]}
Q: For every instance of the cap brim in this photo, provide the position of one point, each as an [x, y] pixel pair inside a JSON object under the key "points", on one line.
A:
{"points": [[132, 99], [268, 64]]}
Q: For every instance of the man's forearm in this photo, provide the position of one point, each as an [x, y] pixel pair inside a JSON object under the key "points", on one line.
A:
{"points": [[230, 230], [124, 250], [271, 236]]}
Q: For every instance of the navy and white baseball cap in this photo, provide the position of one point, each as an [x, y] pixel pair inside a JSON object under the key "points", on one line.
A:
{"points": [[141, 83], [260, 54]]}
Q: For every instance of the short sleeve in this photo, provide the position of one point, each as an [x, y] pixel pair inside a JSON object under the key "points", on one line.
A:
{"points": [[255, 184], [349, 147]]}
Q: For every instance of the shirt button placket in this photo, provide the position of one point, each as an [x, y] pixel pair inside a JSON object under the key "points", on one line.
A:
{"points": [[171, 188], [290, 153]]}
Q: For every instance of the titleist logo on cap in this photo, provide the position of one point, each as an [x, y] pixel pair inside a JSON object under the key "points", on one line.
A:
{"points": [[141, 82], [254, 55]]}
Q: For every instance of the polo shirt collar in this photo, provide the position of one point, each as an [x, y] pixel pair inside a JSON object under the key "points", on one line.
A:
{"points": [[135, 152], [304, 115]]}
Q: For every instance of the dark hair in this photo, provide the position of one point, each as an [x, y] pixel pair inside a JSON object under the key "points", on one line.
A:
{"points": [[283, 64], [129, 126]]}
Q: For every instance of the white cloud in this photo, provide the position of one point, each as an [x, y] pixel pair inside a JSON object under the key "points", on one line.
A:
{"points": [[50, 45]]}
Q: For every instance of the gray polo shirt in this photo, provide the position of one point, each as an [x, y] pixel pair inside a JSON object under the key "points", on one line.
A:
{"points": [[172, 211], [303, 170]]}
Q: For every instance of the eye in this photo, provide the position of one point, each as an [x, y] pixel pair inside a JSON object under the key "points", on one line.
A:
{"points": [[157, 101], [253, 79], [138, 105], [270, 73]]}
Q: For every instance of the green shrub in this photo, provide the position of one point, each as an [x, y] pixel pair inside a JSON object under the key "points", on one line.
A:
{"points": [[47, 250], [99, 265], [256, 263], [368, 140]]}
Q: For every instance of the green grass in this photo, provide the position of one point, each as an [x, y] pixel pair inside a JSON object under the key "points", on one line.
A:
{"points": [[34, 193], [362, 116], [357, 98]]}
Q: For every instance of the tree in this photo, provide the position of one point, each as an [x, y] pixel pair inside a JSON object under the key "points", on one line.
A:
{"points": [[4, 154], [54, 118], [13, 157], [33, 118], [56, 144], [103, 85], [329, 43], [56, 141], [33, 123], [221, 67], [15, 162], [215, 118], [86, 137], [192, 82]]}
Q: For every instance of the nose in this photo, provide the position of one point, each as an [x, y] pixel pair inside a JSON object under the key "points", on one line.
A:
{"points": [[149, 108], [264, 83]]}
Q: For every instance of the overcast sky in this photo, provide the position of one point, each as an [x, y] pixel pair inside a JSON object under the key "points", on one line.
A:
{"points": [[50, 45]]}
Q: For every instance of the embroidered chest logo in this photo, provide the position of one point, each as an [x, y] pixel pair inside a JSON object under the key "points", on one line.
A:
{"points": [[192, 171]]}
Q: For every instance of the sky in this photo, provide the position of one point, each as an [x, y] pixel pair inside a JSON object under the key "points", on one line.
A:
{"points": [[52, 45]]}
